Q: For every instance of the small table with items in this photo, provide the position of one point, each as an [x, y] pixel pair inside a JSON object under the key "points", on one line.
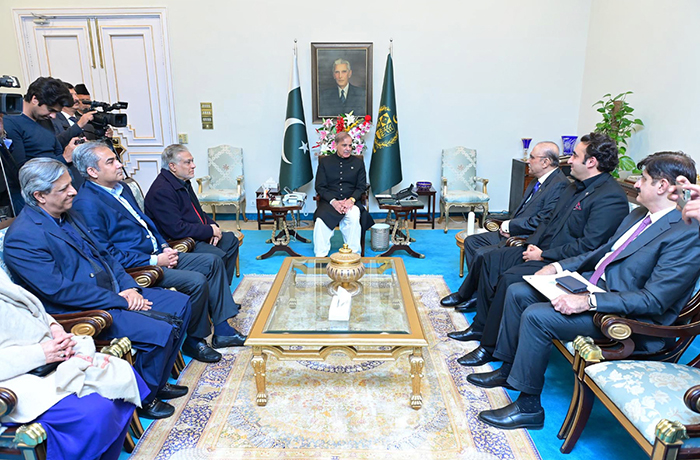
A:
{"points": [[429, 216], [400, 236], [295, 322], [281, 233], [262, 200]]}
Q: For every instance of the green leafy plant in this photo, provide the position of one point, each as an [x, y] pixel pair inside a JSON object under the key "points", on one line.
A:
{"points": [[618, 123]]}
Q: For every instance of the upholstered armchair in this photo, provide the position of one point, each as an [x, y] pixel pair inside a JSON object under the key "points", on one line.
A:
{"points": [[224, 186], [459, 183], [655, 399], [27, 441]]}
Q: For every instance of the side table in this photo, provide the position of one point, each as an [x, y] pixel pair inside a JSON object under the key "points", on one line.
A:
{"points": [[262, 204], [400, 237], [281, 233], [429, 216]]}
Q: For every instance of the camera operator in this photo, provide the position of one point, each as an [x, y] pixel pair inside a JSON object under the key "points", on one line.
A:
{"points": [[84, 107], [45, 97], [68, 123]]}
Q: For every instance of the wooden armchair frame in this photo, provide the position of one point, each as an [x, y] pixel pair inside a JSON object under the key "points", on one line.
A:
{"points": [[620, 345]]}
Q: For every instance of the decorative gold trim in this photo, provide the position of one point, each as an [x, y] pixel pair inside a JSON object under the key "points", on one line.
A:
{"points": [[671, 431], [83, 329], [92, 45], [30, 435], [99, 44], [620, 331]]}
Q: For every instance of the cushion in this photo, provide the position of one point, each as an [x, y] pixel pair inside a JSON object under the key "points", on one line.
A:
{"points": [[648, 391], [214, 195], [459, 168], [464, 196]]}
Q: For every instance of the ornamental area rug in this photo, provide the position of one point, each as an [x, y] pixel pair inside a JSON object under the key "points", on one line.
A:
{"points": [[336, 409]]}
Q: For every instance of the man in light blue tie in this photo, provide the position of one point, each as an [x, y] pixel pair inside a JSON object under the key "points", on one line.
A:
{"points": [[647, 270], [111, 212]]}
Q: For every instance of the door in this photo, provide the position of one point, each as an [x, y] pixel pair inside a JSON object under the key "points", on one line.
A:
{"points": [[120, 55]]}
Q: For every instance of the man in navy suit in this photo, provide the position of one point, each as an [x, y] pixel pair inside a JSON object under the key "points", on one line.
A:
{"points": [[111, 212], [343, 97], [539, 200], [173, 206], [53, 254], [587, 214], [647, 270], [68, 123]]}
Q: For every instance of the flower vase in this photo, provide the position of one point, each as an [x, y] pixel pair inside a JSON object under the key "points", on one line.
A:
{"points": [[568, 143], [526, 146]]}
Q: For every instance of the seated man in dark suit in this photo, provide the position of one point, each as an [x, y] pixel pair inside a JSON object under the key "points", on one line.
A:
{"points": [[539, 200], [52, 253], [343, 97], [173, 206], [111, 212], [587, 214], [648, 270], [44, 99], [340, 182]]}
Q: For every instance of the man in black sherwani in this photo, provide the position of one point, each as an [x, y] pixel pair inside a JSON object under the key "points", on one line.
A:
{"points": [[340, 181]]}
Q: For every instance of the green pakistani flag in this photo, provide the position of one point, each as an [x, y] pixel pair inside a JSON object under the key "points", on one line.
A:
{"points": [[385, 167], [295, 166]]}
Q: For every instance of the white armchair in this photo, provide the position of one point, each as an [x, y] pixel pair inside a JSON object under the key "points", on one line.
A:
{"points": [[459, 183], [224, 186]]}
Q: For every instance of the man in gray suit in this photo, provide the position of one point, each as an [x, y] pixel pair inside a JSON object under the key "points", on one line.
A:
{"points": [[343, 97], [539, 200], [647, 270]]}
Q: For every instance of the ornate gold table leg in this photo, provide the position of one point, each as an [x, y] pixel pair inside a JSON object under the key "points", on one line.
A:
{"points": [[416, 361], [258, 362]]}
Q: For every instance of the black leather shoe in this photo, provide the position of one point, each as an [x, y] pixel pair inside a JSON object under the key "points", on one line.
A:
{"points": [[470, 305], [223, 341], [156, 409], [477, 357], [491, 379], [465, 335], [202, 352], [452, 300], [512, 417], [170, 391]]}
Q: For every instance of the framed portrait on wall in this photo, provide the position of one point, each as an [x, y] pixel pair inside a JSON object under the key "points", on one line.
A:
{"points": [[341, 75]]}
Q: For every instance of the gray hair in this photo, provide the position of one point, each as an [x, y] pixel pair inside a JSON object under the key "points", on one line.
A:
{"points": [[39, 175], [340, 61], [170, 154], [85, 156], [551, 152]]}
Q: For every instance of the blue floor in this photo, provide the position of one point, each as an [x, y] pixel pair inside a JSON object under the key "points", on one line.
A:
{"points": [[603, 437]]}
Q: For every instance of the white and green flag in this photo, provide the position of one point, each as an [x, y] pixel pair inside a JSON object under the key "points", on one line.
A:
{"points": [[295, 166]]}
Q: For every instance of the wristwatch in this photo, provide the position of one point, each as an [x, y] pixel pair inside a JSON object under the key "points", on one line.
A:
{"points": [[352, 198], [591, 303]]}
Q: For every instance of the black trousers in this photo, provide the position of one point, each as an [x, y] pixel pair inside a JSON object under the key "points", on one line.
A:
{"points": [[529, 325], [227, 250], [475, 247], [494, 312], [203, 277]]}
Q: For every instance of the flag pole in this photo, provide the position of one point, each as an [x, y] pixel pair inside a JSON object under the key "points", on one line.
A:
{"points": [[391, 48], [295, 47]]}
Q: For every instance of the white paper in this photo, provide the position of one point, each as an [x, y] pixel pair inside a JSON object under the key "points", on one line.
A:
{"points": [[548, 287], [340, 306]]}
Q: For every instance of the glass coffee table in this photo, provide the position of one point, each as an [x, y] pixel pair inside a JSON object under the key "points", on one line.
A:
{"points": [[293, 323]]}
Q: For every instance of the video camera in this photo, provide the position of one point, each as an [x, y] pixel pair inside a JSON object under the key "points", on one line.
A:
{"points": [[103, 118], [10, 104]]}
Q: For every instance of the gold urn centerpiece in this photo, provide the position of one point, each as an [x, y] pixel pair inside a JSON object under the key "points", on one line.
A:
{"points": [[345, 269]]}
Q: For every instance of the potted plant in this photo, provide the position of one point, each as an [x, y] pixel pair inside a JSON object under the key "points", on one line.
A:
{"points": [[618, 123]]}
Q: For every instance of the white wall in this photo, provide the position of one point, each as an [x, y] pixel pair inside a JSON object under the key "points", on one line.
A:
{"points": [[476, 73], [653, 49]]}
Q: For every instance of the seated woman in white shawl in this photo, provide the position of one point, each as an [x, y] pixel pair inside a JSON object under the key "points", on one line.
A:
{"points": [[86, 404]]}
